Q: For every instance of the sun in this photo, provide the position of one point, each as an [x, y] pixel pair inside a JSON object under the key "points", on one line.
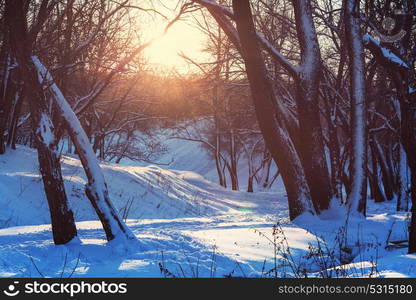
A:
{"points": [[181, 37]]}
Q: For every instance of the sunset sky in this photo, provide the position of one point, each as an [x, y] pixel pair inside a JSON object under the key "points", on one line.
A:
{"points": [[182, 37]]}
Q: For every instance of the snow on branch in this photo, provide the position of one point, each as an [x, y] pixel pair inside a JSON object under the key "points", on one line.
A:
{"points": [[94, 33], [96, 188], [277, 55], [213, 5], [83, 102], [45, 78], [220, 13], [383, 53]]}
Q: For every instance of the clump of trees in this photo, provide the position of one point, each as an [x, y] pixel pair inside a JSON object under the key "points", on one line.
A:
{"points": [[334, 94], [57, 58]]}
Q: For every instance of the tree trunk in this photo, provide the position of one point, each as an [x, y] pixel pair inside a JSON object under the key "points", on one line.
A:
{"points": [[271, 124], [233, 162], [375, 178], [312, 150], [264, 180], [402, 197], [13, 122], [218, 166], [96, 188], [250, 188], [7, 96], [63, 226], [357, 197], [402, 75], [334, 152], [386, 171], [409, 144], [408, 138]]}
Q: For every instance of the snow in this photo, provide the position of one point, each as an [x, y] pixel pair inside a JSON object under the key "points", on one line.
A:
{"points": [[96, 185], [310, 44], [277, 55], [185, 223], [45, 77], [45, 130], [390, 56], [191, 156]]}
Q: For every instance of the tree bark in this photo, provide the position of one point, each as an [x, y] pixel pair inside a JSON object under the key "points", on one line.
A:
{"points": [[402, 197], [63, 225], [271, 124], [375, 178], [402, 75], [408, 136], [357, 197], [312, 149], [8, 91], [233, 162], [386, 171], [96, 188]]}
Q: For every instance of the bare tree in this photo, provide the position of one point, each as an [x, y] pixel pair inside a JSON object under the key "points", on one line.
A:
{"points": [[271, 124], [63, 226], [357, 196]]}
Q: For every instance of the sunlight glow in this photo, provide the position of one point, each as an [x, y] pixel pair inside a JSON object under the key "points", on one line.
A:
{"points": [[182, 37]]}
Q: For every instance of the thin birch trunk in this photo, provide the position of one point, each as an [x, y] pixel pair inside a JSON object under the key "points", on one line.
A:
{"points": [[357, 197]]}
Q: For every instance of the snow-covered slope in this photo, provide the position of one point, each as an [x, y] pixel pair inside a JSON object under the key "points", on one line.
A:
{"points": [[138, 192], [192, 156], [187, 226]]}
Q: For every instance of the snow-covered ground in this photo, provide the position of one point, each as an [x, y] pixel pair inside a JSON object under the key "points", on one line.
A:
{"points": [[187, 226]]}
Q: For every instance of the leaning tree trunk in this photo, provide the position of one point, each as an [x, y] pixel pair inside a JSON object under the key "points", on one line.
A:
{"points": [[357, 197], [271, 124], [63, 226], [96, 188]]}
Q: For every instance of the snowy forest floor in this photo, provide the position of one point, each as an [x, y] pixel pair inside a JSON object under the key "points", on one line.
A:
{"points": [[188, 226]]}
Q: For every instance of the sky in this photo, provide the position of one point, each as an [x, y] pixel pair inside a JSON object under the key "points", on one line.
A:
{"points": [[182, 37]]}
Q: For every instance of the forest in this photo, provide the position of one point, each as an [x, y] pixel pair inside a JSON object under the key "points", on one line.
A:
{"points": [[289, 123]]}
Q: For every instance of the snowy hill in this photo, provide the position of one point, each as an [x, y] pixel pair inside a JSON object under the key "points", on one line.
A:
{"points": [[192, 156], [187, 226], [138, 192]]}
